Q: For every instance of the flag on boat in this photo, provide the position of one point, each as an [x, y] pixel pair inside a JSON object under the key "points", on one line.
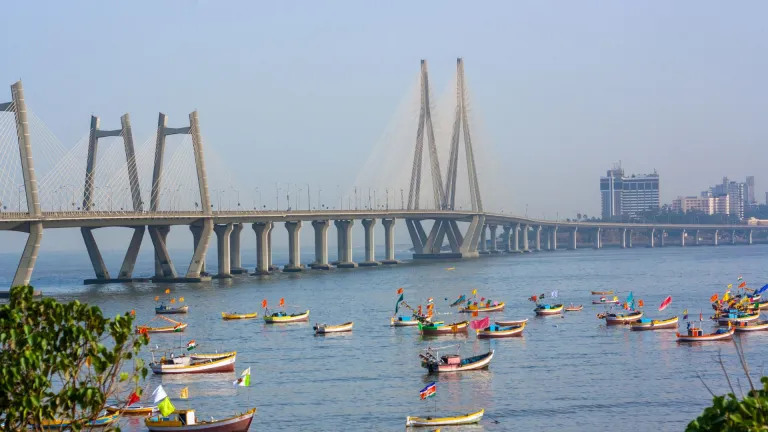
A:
{"points": [[178, 328], [730, 286], [132, 399], [742, 285], [159, 394], [701, 316], [480, 324], [739, 279], [397, 305], [264, 304], [461, 299], [399, 290], [282, 301], [166, 407], [474, 291], [181, 299], [640, 303], [763, 289], [713, 298], [244, 380], [184, 393], [727, 295], [554, 294], [630, 298], [430, 300], [615, 298], [191, 345], [157, 298], [685, 314], [665, 303], [168, 291], [428, 391]]}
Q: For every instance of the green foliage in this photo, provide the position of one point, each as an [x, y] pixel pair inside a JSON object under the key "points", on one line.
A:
{"points": [[728, 413], [61, 361]]}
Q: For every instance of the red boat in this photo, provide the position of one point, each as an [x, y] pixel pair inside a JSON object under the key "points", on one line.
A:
{"points": [[184, 420]]}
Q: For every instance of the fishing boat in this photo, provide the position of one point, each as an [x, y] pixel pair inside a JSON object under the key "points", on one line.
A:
{"points": [[184, 420], [652, 324], [138, 409], [735, 316], [574, 308], [283, 317], [751, 326], [238, 316], [695, 334], [465, 419], [548, 309], [439, 328], [403, 321], [604, 300], [489, 308], [325, 328], [511, 322], [184, 364], [617, 319], [496, 331], [164, 309], [98, 422], [175, 327], [214, 356], [434, 363], [602, 292]]}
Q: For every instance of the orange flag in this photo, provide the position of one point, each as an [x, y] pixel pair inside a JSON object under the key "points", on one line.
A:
{"points": [[168, 291], [264, 303], [640, 303], [282, 302], [157, 298], [173, 300], [133, 312], [713, 298], [399, 290], [474, 314], [742, 285]]}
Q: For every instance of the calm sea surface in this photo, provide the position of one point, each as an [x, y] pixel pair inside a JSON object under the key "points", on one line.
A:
{"points": [[566, 374]]}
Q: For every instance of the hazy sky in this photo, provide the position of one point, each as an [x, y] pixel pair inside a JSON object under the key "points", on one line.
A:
{"points": [[302, 91]]}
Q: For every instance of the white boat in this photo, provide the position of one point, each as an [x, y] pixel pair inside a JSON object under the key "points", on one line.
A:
{"points": [[185, 364], [341, 328], [511, 322], [465, 419], [751, 326]]}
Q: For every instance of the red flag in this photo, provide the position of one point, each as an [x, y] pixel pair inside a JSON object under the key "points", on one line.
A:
{"points": [[474, 314], [282, 302], [132, 399], [743, 284], [665, 303], [264, 303], [640, 303], [399, 290], [480, 324], [713, 298]]}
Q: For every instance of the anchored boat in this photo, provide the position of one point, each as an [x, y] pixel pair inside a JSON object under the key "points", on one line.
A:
{"points": [[736, 316], [751, 326], [574, 308], [325, 328], [548, 309], [185, 364], [488, 308], [99, 422], [511, 322], [174, 327], [602, 292], [131, 410], [651, 324], [403, 321], [604, 300], [439, 328], [184, 420], [695, 334], [618, 319], [434, 363], [164, 309], [236, 316], [283, 317], [496, 331], [214, 356], [465, 419]]}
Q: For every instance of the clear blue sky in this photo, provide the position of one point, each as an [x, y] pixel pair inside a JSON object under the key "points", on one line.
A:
{"points": [[300, 91]]}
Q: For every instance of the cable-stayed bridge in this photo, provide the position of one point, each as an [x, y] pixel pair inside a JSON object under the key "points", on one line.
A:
{"points": [[105, 180]]}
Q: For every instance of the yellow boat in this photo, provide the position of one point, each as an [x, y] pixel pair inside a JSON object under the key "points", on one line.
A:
{"points": [[465, 419], [325, 328], [99, 422], [282, 317], [237, 316], [131, 410], [176, 326]]}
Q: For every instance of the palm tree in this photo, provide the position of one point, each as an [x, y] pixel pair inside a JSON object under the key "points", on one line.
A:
{"points": [[578, 216]]}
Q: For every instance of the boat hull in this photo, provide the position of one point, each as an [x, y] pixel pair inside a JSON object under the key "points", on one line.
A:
{"points": [[172, 311], [400, 323], [497, 308], [131, 410], [346, 327], [304, 317], [707, 338], [735, 321], [504, 333], [511, 322], [445, 330], [751, 327], [471, 418], [214, 356], [602, 292], [226, 316], [169, 329], [574, 309], [551, 311], [607, 302], [622, 319], [654, 325], [239, 423], [100, 422], [226, 364]]}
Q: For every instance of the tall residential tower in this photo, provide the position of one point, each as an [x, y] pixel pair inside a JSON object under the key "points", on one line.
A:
{"points": [[628, 195]]}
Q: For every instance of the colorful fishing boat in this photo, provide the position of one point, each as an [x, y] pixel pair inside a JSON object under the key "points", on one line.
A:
{"points": [[751, 326], [509, 323], [403, 321], [604, 300], [574, 308], [618, 319], [652, 324], [137, 409], [439, 328], [434, 363], [480, 308], [213, 356], [164, 309], [465, 419], [184, 420], [238, 316], [496, 331], [184, 364], [695, 334], [548, 309], [602, 293], [283, 317], [99, 422], [325, 328], [174, 327], [736, 316]]}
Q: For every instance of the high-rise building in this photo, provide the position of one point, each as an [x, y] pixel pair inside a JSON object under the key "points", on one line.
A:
{"points": [[735, 192], [749, 191], [628, 196], [706, 204]]}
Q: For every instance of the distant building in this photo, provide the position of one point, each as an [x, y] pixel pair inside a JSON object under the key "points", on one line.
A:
{"points": [[735, 192], [628, 196], [766, 198], [706, 204], [749, 191]]}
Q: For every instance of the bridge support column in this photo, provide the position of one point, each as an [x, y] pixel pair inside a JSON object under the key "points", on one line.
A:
{"points": [[749, 237], [389, 242], [696, 240], [651, 235], [29, 255], [223, 233], [661, 237], [164, 269], [94, 254], [483, 240], [574, 238], [597, 239], [345, 232], [554, 238], [516, 240], [526, 228], [538, 239], [630, 233], [733, 237], [129, 262], [321, 245], [197, 234], [263, 249], [294, 247], [195, 271], [493, 239], [417, 233], [715, 237], [623, 238], [370, 251], [505, 238], [682, 238], [235, 263]]}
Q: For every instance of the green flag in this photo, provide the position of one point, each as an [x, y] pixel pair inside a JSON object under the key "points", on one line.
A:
{"points": [[397, 305], [166, 407]]}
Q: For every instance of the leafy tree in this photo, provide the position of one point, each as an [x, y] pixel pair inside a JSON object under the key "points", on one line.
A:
{"points": [[62, 361]]}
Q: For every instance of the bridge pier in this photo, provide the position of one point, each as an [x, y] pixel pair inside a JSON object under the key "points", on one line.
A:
{"points": [[598, 244], [623, 238], [516, 241], [29, 255], [483, 241], [294, 247], [651, 236], [321, 245], [715, 237], [389, 242], [749, 237], [129, 262], [492, 228], [696, 240], [102, 274], [682, 238], [164, 269], [197, 233], [370, 251], [506, 238], [344, 228], [235, 263], [223, 233], [629, 238], [573, 238], [553, 233], [525, 238], [263, 249], [661, 237], [538, 239], [733, 237]]}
